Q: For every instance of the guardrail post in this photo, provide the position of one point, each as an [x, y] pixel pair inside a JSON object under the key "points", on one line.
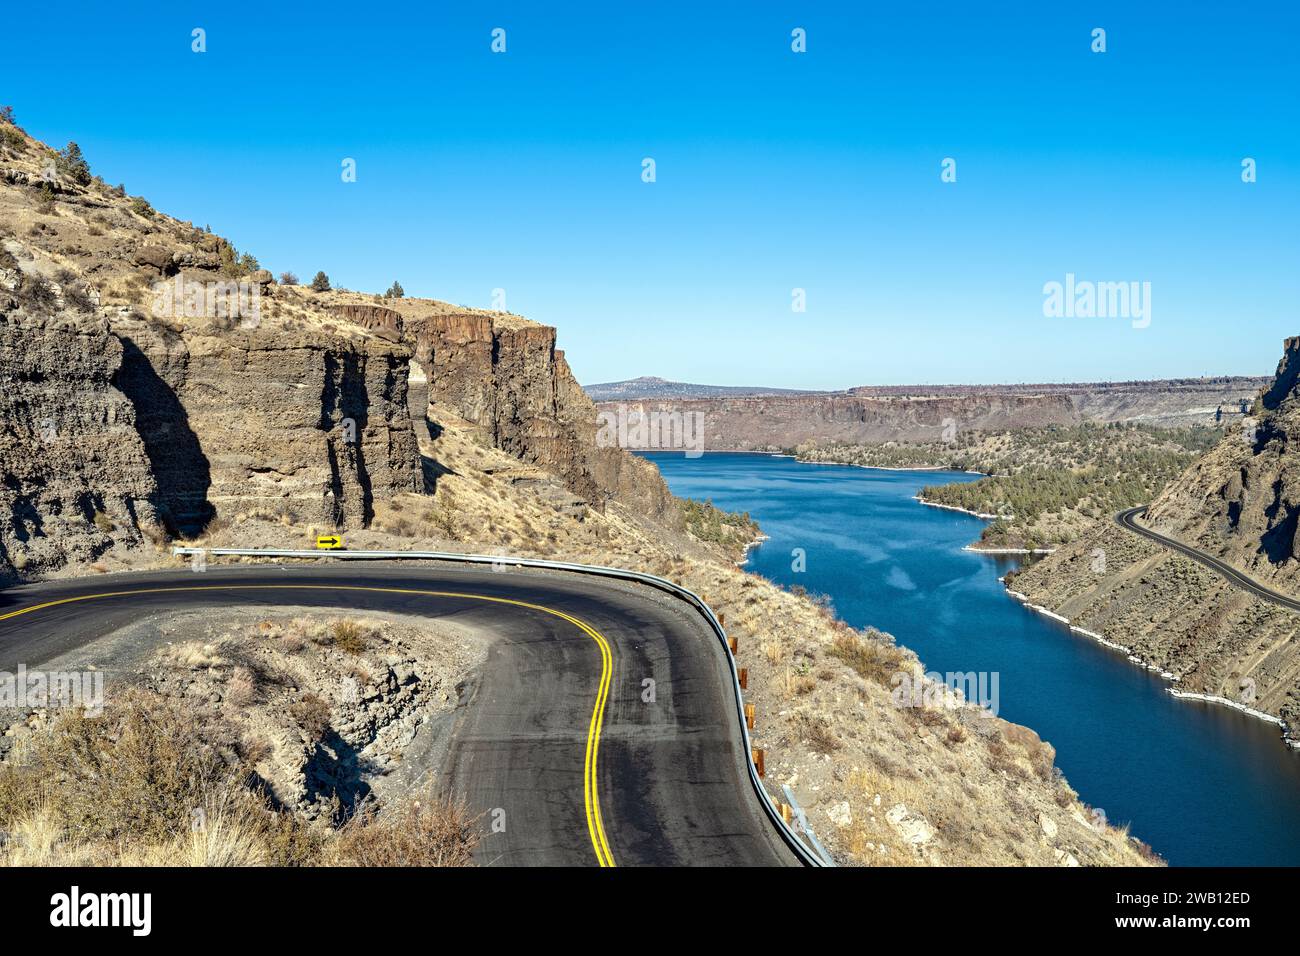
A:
{"points": [[757, 754], [734, 644], [743, 677], [749, 716]]}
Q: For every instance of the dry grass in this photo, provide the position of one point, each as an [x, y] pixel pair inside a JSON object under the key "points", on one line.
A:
{"points": [[312, 715], [869, 654], [426, 832], [148, 784]]}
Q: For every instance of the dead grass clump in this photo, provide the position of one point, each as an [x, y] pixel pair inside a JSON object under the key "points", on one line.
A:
{"points": [[134, 773], [348, 636], [241, 690], [816, 732], [869, 654], [312, 714], [428, 832]]}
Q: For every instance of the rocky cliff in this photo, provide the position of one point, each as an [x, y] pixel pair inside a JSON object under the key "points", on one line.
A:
{"points": [[1241, 501], [185, 386], [507, 376], [76, 475]]}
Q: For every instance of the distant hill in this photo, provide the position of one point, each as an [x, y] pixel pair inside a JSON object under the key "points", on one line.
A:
{"points": [[648, 387]]}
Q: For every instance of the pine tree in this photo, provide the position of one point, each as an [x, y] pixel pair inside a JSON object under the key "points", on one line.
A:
{"points": [[72, 164], [321, 283]]}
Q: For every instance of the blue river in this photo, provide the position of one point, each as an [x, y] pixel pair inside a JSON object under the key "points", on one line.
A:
{"points": [[1204, 785]]}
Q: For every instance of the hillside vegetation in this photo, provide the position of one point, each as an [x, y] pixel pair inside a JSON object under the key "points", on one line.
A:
{"points": [[1046, 483]]}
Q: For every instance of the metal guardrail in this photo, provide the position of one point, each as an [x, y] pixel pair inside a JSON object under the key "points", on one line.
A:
{"points": [[807, 856]]}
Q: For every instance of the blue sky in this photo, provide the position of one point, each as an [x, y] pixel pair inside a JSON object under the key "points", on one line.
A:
{"points": [[775, 171]]}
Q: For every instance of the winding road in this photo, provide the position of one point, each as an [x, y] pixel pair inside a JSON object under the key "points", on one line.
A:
{"points": [[554, 736], [1128, 520]]}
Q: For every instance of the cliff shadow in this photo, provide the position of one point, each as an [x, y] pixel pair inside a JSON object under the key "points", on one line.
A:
{"points": [[336, 770], [180, 468], [345, 398]]}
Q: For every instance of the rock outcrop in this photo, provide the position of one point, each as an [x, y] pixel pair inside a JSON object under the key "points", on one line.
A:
{"points": [[270, 419], [509, 378], [76, 476]]}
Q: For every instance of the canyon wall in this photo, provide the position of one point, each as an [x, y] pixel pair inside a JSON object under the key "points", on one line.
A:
{"points": [[918, 413], [76, 477], [1239, 502], [507, 376], [778, 422]]}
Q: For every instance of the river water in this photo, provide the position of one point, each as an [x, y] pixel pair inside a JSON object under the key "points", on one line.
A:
{"points": [[1204, 785]]}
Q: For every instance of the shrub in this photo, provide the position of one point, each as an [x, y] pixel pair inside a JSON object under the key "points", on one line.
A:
{"points": [[35, 295], [7, 115], [348, 636], [288, 278], [875, 660], [135, 772], [427, 832], [312, 715], [77, 296], [103, 522], [321, 283], [45, 200], [242, 688], [13, 139], [140, 206], [816, 733]]}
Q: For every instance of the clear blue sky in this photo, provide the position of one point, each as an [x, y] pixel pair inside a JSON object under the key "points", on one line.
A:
{"points": [[775, 170]]}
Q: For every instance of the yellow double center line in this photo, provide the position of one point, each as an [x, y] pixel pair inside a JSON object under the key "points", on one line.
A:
{"points": [[590, 794]]}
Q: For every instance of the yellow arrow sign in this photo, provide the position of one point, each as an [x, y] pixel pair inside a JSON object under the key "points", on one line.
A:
{"points": [[329, 542]]}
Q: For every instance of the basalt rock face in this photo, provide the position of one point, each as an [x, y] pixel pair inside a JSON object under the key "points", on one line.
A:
{"points": [[74, 475], [275, 420], [510, 379], [111, 432], [1241, 501]]}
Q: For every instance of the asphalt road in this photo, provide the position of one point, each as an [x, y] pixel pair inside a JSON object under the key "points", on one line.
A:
{"points": [[555, 737], [1128, 520]]}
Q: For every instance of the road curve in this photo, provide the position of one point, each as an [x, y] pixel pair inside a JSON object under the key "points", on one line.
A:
{"points": [[1128, 520], [555, 737]]}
